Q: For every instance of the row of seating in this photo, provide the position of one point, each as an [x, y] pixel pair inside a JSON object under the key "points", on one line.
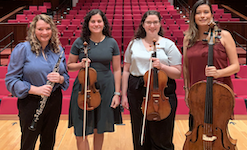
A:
{"points": [[9, 104]]}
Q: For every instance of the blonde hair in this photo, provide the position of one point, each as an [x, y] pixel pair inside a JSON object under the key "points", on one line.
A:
{"points": [[34, 42]]}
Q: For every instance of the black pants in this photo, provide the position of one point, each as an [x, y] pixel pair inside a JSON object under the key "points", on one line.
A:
{"points": [[47, 123], [158, 134]]}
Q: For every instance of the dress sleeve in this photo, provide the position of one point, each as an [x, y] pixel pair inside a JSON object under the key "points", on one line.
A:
{"points": [[65, 84], [76, 46], [115, 48], [13, 80]]}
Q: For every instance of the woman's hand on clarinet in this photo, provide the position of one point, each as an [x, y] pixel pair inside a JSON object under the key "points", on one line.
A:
{"points": [[54, 77], [115, 101], [156, 63], [83, 62], [211, 71], [44, 90]]}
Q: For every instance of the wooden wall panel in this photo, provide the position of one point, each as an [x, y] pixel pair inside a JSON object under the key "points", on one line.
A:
{"points": [[20, 32], [239, 27]]}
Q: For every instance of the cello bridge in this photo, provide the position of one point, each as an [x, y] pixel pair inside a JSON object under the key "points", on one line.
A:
{"points": [[208, 139]]}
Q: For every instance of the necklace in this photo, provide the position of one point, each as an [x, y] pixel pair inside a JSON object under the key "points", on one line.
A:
{"points": [[96, 43]]}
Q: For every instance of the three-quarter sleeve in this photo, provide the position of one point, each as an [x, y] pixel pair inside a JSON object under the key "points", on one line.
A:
{"points": [[13, 80]]}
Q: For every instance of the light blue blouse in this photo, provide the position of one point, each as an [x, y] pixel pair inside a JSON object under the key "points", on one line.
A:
{"points": [[26, 69]]}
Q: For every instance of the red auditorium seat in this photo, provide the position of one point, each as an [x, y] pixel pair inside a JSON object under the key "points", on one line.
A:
{"points": [[12, 21], [214, 7], [3, 91], [33, 8], [20, 17], [227, 15], [26, 12], [177, 33], [3, 71], [61, 28], [68, 33], [184, 27], [77, 33], [180, 21], [65, 22], [166, 16], [30, 17], [72, 27], [43, 9], [67, 49], [69, 16], [73, 12], [76, 22], [8, 105], [72, 39], [169, 21], [47, 4], [173, 27], [176, 16], [240, 86], [64, 41]]}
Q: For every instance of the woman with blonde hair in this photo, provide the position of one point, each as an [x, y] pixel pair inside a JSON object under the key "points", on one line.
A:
{"points": [[30, 68]]}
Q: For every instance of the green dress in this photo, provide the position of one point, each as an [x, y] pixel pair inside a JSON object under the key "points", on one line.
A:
{"points": [[103, 117]]}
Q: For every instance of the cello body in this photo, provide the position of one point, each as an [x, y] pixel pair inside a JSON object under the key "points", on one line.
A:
{"points": [[217, 136]]}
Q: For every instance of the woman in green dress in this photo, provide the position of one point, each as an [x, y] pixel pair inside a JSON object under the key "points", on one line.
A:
{"points": [[103, 51]]}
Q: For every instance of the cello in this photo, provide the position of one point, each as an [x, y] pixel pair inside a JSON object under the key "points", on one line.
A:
{"points": [[89, 97], [156, 105], [208, 102]]}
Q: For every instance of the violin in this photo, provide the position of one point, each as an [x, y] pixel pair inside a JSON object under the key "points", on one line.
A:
{"points": [[156, 105], [211, 105], [89, 97]]}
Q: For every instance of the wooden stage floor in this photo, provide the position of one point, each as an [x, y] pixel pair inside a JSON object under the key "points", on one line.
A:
{"points": [[121, 139]]}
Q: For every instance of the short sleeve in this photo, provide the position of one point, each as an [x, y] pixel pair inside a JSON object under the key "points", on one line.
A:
{"points": [[77, 46], [127, 55], [174, 55], [115, 48]]}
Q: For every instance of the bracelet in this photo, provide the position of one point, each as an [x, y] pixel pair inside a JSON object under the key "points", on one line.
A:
{"points": [[117, 93], [185, 87]]}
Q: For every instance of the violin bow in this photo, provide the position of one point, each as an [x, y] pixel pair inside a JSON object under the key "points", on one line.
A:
{"points": [[147, 94], [85, 90]]}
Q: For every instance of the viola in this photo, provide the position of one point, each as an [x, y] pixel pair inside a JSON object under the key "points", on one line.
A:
{"points": [[211, 105], [89, 97], [156, 105], [89, 94]]}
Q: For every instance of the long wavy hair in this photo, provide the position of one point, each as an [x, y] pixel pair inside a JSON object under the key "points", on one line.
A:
{"points": [[141, 33], [35, 43], [85, 35], [192, 32]]}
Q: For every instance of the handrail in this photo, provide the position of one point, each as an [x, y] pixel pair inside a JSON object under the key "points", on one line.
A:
{"points": [[234, 11], [61, 7], [241, 45], [12, 13], [10, 44], [187, 10]]}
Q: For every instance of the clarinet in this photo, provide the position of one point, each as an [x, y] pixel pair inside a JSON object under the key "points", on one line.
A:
{"points": [[44, 98]]}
